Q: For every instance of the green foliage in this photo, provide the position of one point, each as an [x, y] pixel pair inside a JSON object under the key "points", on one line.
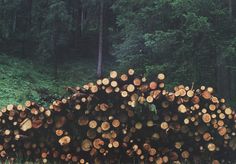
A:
{"points": [[22, 80], [174, 36], [230, 50], [53, 37], [188, 40]]}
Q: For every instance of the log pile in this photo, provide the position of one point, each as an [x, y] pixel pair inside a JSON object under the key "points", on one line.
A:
{"points": [[122, 119]]}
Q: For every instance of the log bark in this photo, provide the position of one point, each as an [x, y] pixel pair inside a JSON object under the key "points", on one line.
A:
{"points": [[122, 117]]}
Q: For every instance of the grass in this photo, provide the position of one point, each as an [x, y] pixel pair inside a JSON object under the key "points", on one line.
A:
{"points": [[22, 80]]}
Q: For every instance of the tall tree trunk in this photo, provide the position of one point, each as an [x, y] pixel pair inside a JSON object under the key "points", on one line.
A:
{"points": [[230, 9], [30, 13], [77, 17], [82, 20], [54, 48], [100, 43], [55, 57], [14, 23], [23, 45]]}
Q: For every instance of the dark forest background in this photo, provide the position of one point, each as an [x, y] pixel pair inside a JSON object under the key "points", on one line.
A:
{"points": [[46, 45]]}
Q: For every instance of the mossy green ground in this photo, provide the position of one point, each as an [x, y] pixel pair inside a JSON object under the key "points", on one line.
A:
{"points": [[22, 80]]}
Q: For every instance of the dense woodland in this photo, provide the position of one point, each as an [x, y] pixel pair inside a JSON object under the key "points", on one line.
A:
{"points": [[46, 45]]}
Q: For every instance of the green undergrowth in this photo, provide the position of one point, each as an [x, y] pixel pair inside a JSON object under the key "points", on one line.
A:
{"points": [[22, 79]]}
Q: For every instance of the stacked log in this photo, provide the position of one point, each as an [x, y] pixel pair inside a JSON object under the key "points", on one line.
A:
{"points": [[122, 118]]}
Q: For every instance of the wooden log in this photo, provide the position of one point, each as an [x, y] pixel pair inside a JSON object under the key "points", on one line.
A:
{"points": [[64, 140], [211, 147], [86, 145], [131, 72], [206, 95], [130, 88], [98, 143], [93, 124], [124, 77], [26, 124], [59, 132], [37, 123], [105, 126], [137, 82], [121, 117], [160, 76], [182, 108], [153, 85], [114, 84], [116, 123], [206, 118], [113, 74]]}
